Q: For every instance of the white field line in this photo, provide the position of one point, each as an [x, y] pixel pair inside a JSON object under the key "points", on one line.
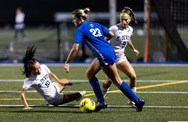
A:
{"points": [[177, 121], [80, 81], [109, 106], [141, 92]]}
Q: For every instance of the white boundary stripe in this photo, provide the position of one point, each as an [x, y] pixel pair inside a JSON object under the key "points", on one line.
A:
{"points": [[162, 92], [142, 92], [109, 106], [80, 81], [177, 121]]}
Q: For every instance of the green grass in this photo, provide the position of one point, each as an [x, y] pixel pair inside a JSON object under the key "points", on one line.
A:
{"points": [[143, 72], [151, 113]]}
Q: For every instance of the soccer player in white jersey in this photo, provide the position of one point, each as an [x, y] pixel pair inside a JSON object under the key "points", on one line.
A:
{"points": [[123, 32], [39, 77]]}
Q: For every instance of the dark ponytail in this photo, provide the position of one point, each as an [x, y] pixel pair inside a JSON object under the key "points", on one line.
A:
{"points": [[29, 60]]}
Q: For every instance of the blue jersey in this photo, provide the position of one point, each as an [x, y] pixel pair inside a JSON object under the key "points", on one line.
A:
{"points": [[93, 35]]}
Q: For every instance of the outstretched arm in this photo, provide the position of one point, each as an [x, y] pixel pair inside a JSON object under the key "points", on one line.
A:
{"points": [[24, 101], [71, 56]]}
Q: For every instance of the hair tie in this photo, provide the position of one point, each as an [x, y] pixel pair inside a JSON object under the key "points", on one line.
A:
{"points": [[125, 15]]}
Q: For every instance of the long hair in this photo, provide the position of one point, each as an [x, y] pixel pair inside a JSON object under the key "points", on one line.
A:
{"points": [[29, 60]]}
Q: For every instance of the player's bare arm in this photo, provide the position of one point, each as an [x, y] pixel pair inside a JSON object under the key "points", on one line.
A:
{"points": [[24, 101], [71, 56], [130, 44], [62, 81], [110, 35], [54, 77]]}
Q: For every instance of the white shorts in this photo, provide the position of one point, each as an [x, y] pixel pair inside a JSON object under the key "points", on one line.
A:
{"points": [[56, 86], [120, 57], [19, 26], [58, 98]]}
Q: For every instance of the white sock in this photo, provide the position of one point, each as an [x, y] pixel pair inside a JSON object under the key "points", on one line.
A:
{"points": [[134, 89]]}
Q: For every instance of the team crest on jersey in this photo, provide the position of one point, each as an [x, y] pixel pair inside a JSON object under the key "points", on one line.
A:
{"points": [[91, 25]]}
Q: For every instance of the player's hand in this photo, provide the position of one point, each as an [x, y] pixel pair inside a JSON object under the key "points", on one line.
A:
{"points": [[27, 108], [66, 68], [136, 52]]}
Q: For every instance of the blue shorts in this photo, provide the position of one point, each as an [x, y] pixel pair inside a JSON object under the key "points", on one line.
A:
{"points": [[106, 57]]}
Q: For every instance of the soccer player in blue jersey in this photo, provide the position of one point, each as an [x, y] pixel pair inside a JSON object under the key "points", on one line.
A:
{"points": [[95, 36]]}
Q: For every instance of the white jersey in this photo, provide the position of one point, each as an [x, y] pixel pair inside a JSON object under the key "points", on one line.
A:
{"points": [[19, 21], [20, 18], [44, 86], [120, 40]]}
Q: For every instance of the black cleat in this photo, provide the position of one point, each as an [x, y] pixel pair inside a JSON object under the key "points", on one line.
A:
{"points": [[140, 106], [100, 106]]}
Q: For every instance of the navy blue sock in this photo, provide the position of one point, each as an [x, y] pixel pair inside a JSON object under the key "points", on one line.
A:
{"points": [[97, 90], [129, 93]]}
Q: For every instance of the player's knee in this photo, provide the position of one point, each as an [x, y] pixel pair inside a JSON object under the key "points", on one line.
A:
{"points": [[89, 75], [132, 77]]}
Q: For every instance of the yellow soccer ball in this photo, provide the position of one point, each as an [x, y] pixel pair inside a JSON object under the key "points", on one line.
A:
{"points": [[87, 105]]}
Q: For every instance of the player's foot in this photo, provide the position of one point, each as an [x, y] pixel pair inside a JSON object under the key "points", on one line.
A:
{"points": [[132, 104], [140, 106], [100, 106], [46, 103], [68, 84], [82, 93]]}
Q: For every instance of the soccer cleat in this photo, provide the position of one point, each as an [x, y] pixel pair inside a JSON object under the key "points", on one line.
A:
{"points": [[140, 106], [100, 106], [68, 84], [82, 93], [132, 104], [46, 103]]}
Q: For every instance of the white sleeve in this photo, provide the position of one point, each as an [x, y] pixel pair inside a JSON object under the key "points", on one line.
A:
{"points": [[27, 84], [131, 30], [114, 29], [46, 68]]}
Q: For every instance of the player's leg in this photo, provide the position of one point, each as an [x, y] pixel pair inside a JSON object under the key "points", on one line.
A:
{"points": [[106, 85], [111, 72], [22, 30], [92, 70], [128, 69], [69, 97]]}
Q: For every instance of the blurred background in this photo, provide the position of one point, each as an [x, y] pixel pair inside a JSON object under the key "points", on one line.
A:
{"points": [[161, 34]]}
